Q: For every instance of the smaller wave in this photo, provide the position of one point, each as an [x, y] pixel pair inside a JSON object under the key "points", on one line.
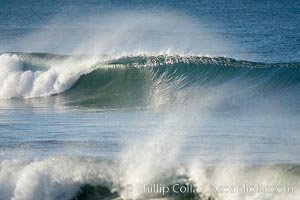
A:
{"points": [[81, 178]]}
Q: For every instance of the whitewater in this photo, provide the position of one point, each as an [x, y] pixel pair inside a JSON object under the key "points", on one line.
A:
{"points": [[149, 100], [39, 75], [194, 87]]}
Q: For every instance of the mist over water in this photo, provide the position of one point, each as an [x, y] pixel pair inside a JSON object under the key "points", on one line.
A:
{"points": [[97, 105], [123, 33]]}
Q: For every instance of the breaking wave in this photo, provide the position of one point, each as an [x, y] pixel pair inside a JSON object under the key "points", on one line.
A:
{"points": [[89, 178], [140, 79], [155, 81]]}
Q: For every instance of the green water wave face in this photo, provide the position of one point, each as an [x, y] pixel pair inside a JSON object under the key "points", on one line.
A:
{"points": [[140, 80]]}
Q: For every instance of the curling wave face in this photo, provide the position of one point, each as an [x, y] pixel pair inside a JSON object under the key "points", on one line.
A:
{"points": [[141, 79]]}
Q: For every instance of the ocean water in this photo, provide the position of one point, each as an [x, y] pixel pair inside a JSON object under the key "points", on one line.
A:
{"points": [[149, 100]]}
